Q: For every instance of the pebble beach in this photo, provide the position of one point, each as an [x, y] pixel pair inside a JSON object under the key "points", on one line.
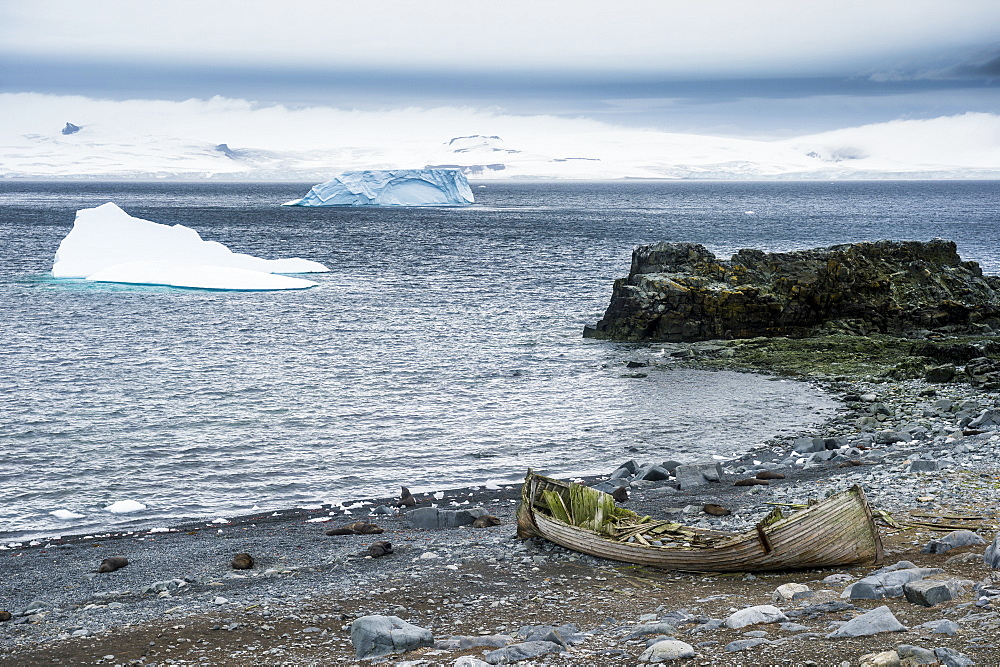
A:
{"points": [[925, 453]]}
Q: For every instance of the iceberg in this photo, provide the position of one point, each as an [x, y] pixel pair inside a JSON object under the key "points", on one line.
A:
{"points": [[396, 187], [106, 244]]}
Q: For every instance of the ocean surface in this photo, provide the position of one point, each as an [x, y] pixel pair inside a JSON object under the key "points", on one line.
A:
{"points": [[443, 349]]}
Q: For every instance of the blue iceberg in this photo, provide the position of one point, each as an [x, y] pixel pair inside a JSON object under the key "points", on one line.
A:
{"points": [[393, 187]]}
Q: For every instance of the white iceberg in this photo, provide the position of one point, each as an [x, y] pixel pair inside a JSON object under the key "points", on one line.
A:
{"points": [[65, 515], [106, 244], [396, 187], [124, 507]]}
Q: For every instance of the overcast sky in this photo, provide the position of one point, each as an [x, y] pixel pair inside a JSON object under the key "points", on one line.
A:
{"points": [[763, 68]]}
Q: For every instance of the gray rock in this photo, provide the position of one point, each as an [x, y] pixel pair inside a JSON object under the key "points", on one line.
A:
{"points": [[626, 469], [670, 465], [523, 651], [533, 632], [953, 540], [898, 565], [992, 554], [808, 445], [793, 627], [787, 592], [697, 474], [952, 658], [821, 456], [744, 644], [432, 517], [943, 373], [652, 629], [942, 627], [886, 584], [374, 636], [473, 641], [763, 613], [988, 420], [653, 473], [916, 655], [469, 661], [563, 635], [708, 626], [668, 649], [877, 620], [610, 486], [657, 638], [928, 593], [923, 465], [889, 437]]}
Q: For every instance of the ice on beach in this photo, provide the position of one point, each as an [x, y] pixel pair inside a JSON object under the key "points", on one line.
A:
{"points": [[396, 187], [124, 507], [66, 515], [106, 244], [220, 520]]}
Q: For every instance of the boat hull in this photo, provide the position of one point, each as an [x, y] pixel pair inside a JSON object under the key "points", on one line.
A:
{"points": [[838, 531]]}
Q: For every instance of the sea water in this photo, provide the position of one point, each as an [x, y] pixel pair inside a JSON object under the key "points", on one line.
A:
{"points": [[443, 349]]}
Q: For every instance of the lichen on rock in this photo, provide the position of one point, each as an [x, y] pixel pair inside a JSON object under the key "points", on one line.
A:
{"points": [[681, 292]]}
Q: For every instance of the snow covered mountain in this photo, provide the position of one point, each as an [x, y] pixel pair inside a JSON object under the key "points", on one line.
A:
{"points": [[238, 140]]}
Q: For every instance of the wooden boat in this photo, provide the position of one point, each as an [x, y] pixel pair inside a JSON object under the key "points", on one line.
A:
{"points": [[837, 531]]}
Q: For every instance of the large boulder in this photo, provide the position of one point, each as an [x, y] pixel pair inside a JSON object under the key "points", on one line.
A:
{"points": [[762, 613], [992, 554], [432, 517], [887, 582], [667, 650], [697, 474], [523, 651], [953, 540], [374, 636], [683, 292], [877, 620]]}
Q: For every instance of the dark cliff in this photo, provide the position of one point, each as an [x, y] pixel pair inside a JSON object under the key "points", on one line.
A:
{"points": [[682, 292]]}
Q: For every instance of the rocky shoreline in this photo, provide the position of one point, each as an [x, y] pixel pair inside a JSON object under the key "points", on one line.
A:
{"points": [[924, 453]]}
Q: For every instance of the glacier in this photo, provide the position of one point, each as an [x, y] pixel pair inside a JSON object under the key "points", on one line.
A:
{"points": [[392, 187], [106, 244]]}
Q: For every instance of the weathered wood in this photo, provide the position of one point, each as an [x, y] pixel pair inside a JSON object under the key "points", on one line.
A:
{"points": [[838, 531]]}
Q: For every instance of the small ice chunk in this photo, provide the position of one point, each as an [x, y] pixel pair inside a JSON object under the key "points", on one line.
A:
{"points": [[438, 495], [124, 507], [220, 520], [66, 515]]}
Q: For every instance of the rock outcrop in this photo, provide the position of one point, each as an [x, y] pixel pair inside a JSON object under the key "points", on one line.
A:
{"points": [[679, 292]]}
